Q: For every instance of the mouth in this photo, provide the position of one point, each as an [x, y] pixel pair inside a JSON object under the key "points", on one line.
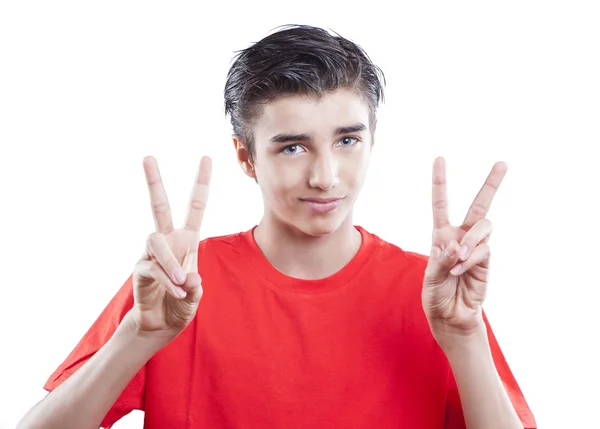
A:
{"points": [[322, 205]]}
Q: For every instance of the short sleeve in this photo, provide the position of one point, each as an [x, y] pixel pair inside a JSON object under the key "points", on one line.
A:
{"points": [[132, 398], [454, 415]]}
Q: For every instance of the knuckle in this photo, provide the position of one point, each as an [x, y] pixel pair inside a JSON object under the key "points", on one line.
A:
{"points": [[198, 204], [189, 227], [160, 208], [196, 280], [153, 239], [485, 251], [470, 245], [139, 269], [440, 204], [485, 222], [479, 210], [492, 185], [155, 270]]}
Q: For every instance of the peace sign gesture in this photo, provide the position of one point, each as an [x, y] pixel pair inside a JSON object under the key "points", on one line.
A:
{"points": [[455, 282], [166, 284]]}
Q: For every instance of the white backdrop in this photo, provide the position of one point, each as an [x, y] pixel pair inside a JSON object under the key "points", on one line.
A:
{"points": [[88, 89]]}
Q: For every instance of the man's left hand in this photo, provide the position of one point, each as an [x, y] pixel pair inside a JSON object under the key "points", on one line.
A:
{"points": [[455, 282]]}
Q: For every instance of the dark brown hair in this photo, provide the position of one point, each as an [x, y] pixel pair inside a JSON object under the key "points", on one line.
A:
{"points": [[297, 60]]}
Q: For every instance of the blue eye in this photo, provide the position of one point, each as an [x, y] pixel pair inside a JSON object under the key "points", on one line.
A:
{"points": [[348, 141], [292, 149]]}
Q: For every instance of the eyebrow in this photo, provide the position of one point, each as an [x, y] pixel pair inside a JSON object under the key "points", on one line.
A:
{"points": [[286, 138]]}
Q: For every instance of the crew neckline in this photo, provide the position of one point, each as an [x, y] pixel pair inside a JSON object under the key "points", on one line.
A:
{"points": [[281, 282]]}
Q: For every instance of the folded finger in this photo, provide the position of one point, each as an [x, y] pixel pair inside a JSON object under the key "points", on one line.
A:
{"points": [[478, 233], [193, 287], [153, 270], [159, 249], [479, 256]]}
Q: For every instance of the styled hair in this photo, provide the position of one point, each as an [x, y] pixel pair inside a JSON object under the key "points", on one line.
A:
{"points": [[297, 60]]}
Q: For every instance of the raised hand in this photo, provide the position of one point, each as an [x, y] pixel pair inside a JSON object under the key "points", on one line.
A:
{"points": [[455, 282], [166, 284]]}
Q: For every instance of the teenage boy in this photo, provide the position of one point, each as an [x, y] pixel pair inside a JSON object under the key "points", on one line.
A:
{"points": [[306, 320]]}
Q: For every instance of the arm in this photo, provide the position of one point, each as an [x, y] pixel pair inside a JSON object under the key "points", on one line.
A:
{"points": [[84, 398], [485, 402], [162, 299], [454, 289]]}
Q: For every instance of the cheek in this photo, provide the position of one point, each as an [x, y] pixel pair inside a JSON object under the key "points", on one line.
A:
{"points": [[355, 170], [280, 180]]}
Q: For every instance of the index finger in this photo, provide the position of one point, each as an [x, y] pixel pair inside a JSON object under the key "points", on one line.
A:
{"points": [[158, 197], [199, 197], [439, 194], [483, 201]]}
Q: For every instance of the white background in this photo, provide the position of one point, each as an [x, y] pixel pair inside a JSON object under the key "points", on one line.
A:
{"points": [[88, 89]]}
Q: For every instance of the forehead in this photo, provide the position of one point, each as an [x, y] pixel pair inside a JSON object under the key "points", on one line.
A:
{"points": [[311, 114]]}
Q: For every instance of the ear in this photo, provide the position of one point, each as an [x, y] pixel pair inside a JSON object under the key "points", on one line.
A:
{"points": [[243, 157]]}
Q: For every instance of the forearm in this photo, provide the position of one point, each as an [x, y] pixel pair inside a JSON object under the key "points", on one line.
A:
{"points": [[485, 402], [86, 396]]}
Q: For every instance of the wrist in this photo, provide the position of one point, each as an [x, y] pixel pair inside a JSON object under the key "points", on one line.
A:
{"points": [[152, 341], [456, 341]]}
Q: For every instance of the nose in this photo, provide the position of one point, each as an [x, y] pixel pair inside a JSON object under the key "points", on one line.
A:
{"points": [[324, 173]]}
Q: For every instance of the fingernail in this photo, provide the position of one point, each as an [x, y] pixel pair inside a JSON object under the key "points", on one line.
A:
{"points": [[449, 251], [456, 269], [464, 249], [180, 292], [179, 275]]}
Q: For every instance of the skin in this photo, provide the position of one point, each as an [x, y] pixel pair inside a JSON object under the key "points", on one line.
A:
{"points": [[301, 243], [300, 154], [454, 289], [456, 277], [166, 290], [323, 163]]}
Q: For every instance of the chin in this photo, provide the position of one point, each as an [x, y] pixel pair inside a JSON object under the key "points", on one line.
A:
{"points": [[319, 226]]}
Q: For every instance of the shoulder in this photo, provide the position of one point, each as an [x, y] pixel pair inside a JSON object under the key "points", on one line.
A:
{"points": [[218, 255], [397, 273], [394, 258], [225, 251], [222, 243]]}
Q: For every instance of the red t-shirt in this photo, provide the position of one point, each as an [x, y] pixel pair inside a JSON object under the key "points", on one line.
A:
{"points": [[265, 350]]}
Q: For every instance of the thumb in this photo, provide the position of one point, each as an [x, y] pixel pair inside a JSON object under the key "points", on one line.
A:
{"points": [[441, 261]]}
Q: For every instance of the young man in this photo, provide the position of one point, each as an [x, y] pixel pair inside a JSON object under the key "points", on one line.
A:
{"points": [[306, 320]]}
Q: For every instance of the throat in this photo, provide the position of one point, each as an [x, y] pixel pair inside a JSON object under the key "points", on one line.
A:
{"points": [[306, 257]]}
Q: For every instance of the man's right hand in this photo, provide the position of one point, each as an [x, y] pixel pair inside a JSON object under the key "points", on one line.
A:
{"points": [[166, 284]]}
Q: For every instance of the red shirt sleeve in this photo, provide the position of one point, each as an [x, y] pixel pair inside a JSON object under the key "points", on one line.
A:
{"points": [[132, 398], [454, 414]]}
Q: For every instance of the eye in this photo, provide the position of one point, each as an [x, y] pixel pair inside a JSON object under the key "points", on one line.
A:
{"points": [[292, 149], [348, 141]]}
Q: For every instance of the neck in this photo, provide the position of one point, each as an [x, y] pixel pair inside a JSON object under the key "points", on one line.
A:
{"points": [[303, 256]]}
